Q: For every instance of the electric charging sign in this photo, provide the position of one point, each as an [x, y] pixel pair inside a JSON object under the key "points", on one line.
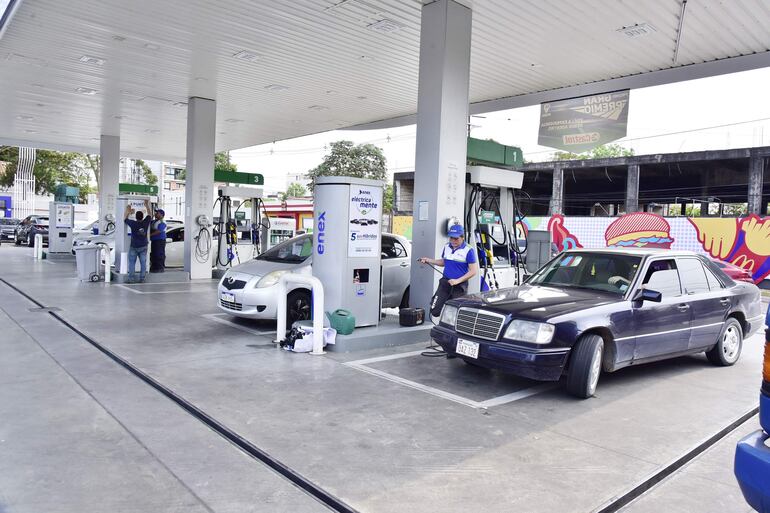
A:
{"points": [[364, 217]]}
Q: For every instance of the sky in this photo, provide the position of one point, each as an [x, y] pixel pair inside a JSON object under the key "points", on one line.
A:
{"points": [[723, 112]]}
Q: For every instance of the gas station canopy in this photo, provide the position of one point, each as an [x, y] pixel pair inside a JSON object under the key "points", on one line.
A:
{"points": [[73, 71]]}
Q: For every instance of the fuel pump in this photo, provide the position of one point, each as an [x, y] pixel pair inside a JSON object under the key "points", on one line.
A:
{"points": [[227, 250]]}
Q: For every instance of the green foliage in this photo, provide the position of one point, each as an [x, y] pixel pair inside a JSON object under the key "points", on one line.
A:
{"points": [[348, 159], [148, 177], [222, 163], [295, 190], [51, 168], [604, 151], [387, 199]]}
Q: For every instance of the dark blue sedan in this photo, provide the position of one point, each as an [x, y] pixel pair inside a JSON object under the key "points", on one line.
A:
{"points": [[589, 311], [752, 456]]}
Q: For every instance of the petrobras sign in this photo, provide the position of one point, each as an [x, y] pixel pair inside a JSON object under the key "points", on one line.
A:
{"points": [[580, 124], [364, 218]]}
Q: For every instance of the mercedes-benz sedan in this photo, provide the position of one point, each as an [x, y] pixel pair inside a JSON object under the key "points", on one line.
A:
{"points": [[589, 311]]}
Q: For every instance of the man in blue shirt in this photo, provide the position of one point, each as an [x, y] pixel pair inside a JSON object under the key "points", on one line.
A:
{"points": [[138, 248], [460, 265], [158, 243]]}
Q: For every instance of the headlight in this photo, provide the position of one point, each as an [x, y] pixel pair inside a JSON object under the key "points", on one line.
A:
{"points": [[270, 279], [528, 331], [449, 315]]}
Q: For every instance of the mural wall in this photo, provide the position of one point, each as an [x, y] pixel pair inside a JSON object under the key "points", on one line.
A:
{"points": [[744, 242]]}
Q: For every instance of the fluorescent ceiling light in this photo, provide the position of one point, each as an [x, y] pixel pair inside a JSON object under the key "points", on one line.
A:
{"points": [[29, 131], [637, 30], [152, 46], [7, 10], [233, 120], [245, 55], [86, 91], [152, 131], [276, 87], [97, 61], [318, 107], [25, 118], [385, 26]]}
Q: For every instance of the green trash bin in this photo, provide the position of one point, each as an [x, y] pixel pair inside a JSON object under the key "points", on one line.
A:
{"points": [[342, 321]]}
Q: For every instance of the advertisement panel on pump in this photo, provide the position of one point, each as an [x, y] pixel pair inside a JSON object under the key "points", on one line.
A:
{"points": [[364, 215]]}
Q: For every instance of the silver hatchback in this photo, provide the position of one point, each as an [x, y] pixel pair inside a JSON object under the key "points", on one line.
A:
{"points": [[249, 289]]}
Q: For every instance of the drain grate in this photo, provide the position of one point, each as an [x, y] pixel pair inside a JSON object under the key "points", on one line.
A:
{"points": [[45, 309]]}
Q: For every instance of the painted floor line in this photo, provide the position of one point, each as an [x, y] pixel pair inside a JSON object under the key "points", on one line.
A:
{"points": [[361, 365], [126, 287], [219, 318]]}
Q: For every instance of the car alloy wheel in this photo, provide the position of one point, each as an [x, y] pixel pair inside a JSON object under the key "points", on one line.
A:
{"points": [[596, 368], [298, 306], [731, 343]]}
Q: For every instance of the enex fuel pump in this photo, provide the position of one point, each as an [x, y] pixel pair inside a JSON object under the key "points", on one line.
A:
{"points": [[229, 225]]}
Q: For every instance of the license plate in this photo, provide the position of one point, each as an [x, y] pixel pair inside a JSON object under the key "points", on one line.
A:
{"points": [[467, 348], [226, 296]]}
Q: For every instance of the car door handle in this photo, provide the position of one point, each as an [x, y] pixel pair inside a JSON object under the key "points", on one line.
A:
{"points": [[724, 301], [404, 264], [683, 307]]}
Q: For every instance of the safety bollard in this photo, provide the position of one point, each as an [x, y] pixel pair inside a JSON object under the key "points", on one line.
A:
{"points": [[38, 247], [107, 267], [317, 289]]}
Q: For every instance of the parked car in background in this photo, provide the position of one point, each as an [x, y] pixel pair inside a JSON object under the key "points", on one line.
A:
{"points": [[734, 272], [589, 311], [752, 455], [174, 244], [29, 227], [8, 228], [249, 289]]}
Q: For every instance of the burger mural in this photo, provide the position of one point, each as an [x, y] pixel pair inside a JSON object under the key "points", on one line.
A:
{"points": [[639, 230]]}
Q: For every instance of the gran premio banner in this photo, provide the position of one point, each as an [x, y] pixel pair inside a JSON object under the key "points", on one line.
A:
{"points": [[580, 124]]}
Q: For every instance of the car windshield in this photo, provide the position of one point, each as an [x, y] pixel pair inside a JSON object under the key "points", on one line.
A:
{"points": [[293, 250], [604, 272], [8, 221]]}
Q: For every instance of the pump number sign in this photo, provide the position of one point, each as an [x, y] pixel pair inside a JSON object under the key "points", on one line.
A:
{"points": [[364, 217]]}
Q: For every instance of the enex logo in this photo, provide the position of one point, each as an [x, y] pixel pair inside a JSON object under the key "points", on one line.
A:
{"points": [[321, 224]]}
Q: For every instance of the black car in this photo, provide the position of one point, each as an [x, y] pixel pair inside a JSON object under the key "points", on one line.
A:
{"points": [[592, 310], [29, 227], [8, 228]]}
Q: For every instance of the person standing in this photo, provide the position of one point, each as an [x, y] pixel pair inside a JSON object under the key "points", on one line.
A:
{"points": [[460, 265], [138, 249], [158, 243]]}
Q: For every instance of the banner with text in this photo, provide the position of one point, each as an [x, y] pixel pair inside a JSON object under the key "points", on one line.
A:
{"points": [[580, 124]]}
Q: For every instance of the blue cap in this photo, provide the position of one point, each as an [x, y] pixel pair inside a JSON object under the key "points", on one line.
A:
{"points": [[456, 231], [161, 212]]}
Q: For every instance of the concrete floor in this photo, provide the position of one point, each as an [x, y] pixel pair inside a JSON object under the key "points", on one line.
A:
{"points": [[383, 430]]}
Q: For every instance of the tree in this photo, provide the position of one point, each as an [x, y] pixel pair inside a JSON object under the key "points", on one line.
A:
{"points": [[295, 190], [51, 168], [387, 199], [147, 177], [222, 162], [348, 159], [604, 151]]}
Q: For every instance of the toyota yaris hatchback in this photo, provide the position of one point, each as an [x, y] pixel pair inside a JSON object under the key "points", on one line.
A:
{"points": [[249, 289], [589, 311]]}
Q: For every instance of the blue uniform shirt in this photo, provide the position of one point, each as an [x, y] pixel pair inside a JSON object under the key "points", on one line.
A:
{"points": [[456, 260], [161, 227], [138, 232]]}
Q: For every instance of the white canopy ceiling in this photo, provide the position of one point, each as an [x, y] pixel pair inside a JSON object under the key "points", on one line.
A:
{"points": [[72, 70]]}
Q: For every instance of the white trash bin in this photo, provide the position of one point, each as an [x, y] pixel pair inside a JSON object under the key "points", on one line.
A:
{"points": [[88, 262]]}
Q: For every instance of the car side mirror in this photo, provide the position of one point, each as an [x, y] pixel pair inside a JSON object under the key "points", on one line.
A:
{"points": [[644, 294], [169, 239]]}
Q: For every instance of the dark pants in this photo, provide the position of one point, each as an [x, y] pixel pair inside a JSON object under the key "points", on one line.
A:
{"points": [[445, 292], [157, 256]]}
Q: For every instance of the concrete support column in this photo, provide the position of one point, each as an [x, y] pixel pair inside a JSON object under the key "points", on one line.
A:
{"points": [[756, 176], [201, 131], [557, 194], [442, 115], [632, 189], [109, 176]]}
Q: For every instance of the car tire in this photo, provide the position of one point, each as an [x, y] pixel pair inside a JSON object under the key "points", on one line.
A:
{"points": [[729, 345], [585, 366], [405, 299], [297, 306]]}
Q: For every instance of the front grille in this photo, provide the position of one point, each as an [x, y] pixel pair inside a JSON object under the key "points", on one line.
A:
{"points": [[231, 305], [478, 323], [236, 284]]}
